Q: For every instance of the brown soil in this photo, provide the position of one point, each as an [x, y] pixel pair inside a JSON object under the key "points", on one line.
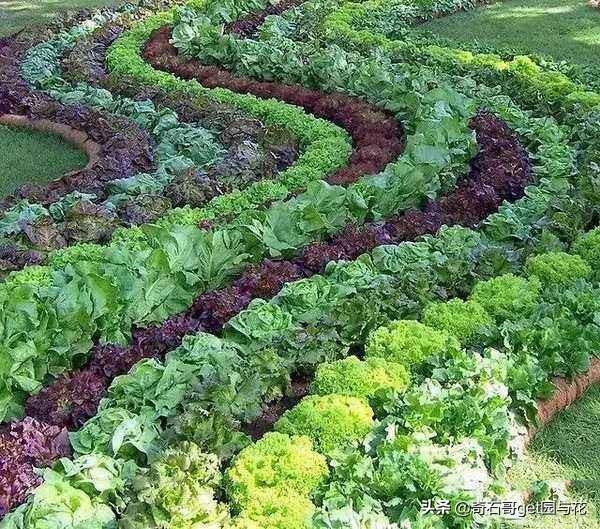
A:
{"points": [[274, 410]]}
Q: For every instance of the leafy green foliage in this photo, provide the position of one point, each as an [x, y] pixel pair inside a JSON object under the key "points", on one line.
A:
{"points": [[409, 343], [468, 321], [507, 296], [176, 492], [331, 421], [119, 433], [562, 333], [275, 464], [389, 483], [460, 399], [557, 269], [276, 509], [58, 503], [100, 477], [443, 125], [588, 247], [356, 378]]}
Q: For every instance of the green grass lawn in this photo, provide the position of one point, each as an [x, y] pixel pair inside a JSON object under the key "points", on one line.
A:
{"points": [[29, 156], [567, 449], [562, 29], [16, 14]]}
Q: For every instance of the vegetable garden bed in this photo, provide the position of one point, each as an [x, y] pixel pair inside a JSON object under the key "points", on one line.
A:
{"points": [[322, 273]]}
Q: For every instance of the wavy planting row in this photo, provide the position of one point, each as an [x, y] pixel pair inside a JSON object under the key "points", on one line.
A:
{"points": [[127, 49], [324, 22], [535, 85], [363, 156], [67, 404], [125, 149], [499, 172], [180, 69], [200, 35], [321, 348], [366, 25], [238, 243], [324, 146], [324, 152], [189, 169], [254, 150], [457, 405], [375, 134], [448, 433]]}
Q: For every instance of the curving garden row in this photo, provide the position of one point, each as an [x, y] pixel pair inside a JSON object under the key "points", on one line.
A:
{"points": [[86, 253], [460, 390], [57, 398], [124, 148], [210, 390], [247, 239], [183, 150]]}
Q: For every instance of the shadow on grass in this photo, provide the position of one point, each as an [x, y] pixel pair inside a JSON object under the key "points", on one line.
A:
{"points": [[17, 14], [564, 29]]}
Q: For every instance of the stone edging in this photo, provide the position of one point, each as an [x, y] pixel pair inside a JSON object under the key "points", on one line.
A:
{"points": [[566, 393]]}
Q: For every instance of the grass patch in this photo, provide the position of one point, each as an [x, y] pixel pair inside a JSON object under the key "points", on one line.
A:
{"points": [[17, 14], [567, 449], [34, 157], [563, 29]]}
